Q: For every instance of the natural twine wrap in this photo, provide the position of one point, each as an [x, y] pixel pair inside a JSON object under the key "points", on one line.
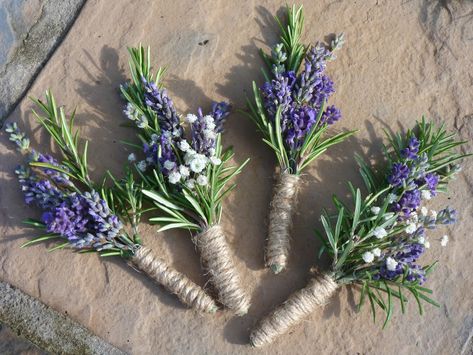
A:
{"points": [[217, 259], [298, 306], [187, 291], [280, 221]]}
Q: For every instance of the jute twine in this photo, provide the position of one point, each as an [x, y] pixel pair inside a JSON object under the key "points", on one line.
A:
{"points": [[280, 221], [187, 291], [217, 259], [298, 306]]}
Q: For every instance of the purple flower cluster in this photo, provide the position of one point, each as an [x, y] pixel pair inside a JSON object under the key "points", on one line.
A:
{"points": [[409, 179], [56, 176], [157, 99], [403, 262], [85, 220], [301, 97]]}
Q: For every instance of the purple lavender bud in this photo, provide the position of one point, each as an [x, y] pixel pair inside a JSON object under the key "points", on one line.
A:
{"points": [[220, 111], [410, 152], [331, 115], [399, 173]]}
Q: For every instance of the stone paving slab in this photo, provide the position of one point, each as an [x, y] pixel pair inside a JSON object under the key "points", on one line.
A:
{"points": [[401, 60], [30, 30]]}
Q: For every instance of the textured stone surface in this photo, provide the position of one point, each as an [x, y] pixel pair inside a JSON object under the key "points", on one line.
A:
{"points": [[47, 328], [401, 60], [29, 32], [10, 344]]}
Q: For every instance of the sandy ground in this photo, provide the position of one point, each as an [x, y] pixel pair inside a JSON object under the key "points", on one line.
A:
{"points": [[401, 60]]}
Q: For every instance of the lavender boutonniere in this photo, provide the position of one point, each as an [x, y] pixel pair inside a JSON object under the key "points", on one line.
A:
{"points": [[186, 178], [85, 216], [290, 111], [376, 243]]}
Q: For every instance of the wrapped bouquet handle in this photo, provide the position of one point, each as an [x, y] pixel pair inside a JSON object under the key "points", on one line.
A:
{"points": [[187, 291], [290, 111], [218, 261]]}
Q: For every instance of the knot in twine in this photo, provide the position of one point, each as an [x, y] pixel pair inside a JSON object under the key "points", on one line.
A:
{"points": [[187, 291], [218, 261], [299, 305], [280, 221]]}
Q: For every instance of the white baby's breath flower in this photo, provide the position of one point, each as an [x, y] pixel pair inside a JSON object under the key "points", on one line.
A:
{"points": [[202, 180], [198, 163], [392, 197], [176, 133], [189, 156], [154, 138], [427, 244], [191, 118], [208, 119], [169, 165], [184, 145], [132, 157], [411, 228], [444, 241], [414, 217], [174, 177], [215, 161], [141, 165], [426, 195], [212, 151], [142, 122], [391, 264], [376, 252], [190, 183], [424, 211], [375, 210], [421, 240], [380, 232], [184, 171], [209, 134], [433, 213], [368, 257]]}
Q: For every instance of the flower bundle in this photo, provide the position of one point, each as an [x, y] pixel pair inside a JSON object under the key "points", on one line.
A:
{"points": [[376, 244], [186, 178], [290, 111], [86, 217]]}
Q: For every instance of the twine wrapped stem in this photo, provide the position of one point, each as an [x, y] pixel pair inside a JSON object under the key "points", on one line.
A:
{"points": [[217, 259], [299, 305], [280, 221], [187, 291]]}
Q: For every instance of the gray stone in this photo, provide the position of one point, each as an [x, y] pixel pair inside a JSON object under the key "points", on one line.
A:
{"points": [[45, 327], [30, 30]]}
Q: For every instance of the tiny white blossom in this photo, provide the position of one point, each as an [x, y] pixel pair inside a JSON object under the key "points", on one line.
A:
{"points": [[368, 257], [142, 122], [392, 197], [132, 157], [212, 151], [414, 217], [411, 228], [421, 240], [391, 264], [215, 161], [424, 211], [176, 133], [191, 118], [380, 232], [184, 145], [190, 183], [444, 241], [426, 195], [209, 134], [198, 163], [208, 119], [174, 177], [376, 252], [141, 165], [184, 170], [189, 156], [434, 214], [154, 138], [202, 180], [427, 244], [375, 210], [169, 165]]}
